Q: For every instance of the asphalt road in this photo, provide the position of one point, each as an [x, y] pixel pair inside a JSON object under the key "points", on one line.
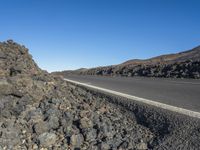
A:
{"points": [[183, 93]]}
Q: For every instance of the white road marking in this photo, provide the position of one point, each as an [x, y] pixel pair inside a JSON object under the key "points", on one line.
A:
{"points": [[170, 81], [89, 83], [143, 100], [182, 82]]}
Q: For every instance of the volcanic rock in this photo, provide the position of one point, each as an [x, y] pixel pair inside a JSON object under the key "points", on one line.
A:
{"points": [[47, 139], [41, 111], [181, 65]]}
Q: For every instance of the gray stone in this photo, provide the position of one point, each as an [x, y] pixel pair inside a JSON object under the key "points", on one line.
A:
{"points": [[53, 122], [40, 127], [105, 146], [86, 123], [76, 140], [47, 139], [5, 87], [90, 135], [142, 146]]}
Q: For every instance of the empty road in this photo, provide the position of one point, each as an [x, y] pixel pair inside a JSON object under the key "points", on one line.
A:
{"points": [[183, 93]]}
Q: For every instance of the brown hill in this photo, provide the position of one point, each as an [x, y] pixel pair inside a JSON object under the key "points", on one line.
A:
{"points": [[180, 65], [193, 55]]}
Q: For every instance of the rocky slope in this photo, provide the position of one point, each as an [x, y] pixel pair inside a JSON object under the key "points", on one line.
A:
{"points": [[40, 111], [181, 65]]}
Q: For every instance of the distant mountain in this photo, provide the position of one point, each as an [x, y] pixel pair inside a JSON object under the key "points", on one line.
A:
{"points": [[193, 54], [180, 65], [67, 72]]}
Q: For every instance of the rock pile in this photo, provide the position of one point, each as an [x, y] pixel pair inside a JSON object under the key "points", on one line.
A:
{"points": [[40, 111], [15, 59], [188, 69]]}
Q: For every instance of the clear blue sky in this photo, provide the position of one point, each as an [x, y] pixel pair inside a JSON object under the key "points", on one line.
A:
{"points": [[70, 34]]}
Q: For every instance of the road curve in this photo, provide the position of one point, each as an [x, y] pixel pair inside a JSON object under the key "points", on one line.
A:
{"points": [[181, 93]]}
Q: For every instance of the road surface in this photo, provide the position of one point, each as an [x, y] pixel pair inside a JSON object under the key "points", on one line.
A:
{"points": [[183, 93]]}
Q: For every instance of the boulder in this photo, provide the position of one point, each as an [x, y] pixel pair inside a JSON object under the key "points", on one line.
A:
{"points": [[40, 127], [76, 140], [47, 139], [86, 123], [53, 122], [5, 87]]}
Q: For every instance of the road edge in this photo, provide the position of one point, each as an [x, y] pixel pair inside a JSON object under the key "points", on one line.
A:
{"points": [[142, 100]]}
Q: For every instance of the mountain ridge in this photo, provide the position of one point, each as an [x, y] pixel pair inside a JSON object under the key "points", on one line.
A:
{"points": [[178, 65], [166, 57]]}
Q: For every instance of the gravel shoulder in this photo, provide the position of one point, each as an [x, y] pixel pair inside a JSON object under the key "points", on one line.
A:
{"points": [[170, 130]]}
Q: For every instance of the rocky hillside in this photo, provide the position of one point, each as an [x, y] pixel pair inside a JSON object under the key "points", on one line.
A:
{"points": [[193, 54], [40, 111], [181, 65], [15, 59]]}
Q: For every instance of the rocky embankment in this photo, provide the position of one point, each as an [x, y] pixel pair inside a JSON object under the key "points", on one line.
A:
{"points": [[188, 69], [181, 65], [40, 111]]}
